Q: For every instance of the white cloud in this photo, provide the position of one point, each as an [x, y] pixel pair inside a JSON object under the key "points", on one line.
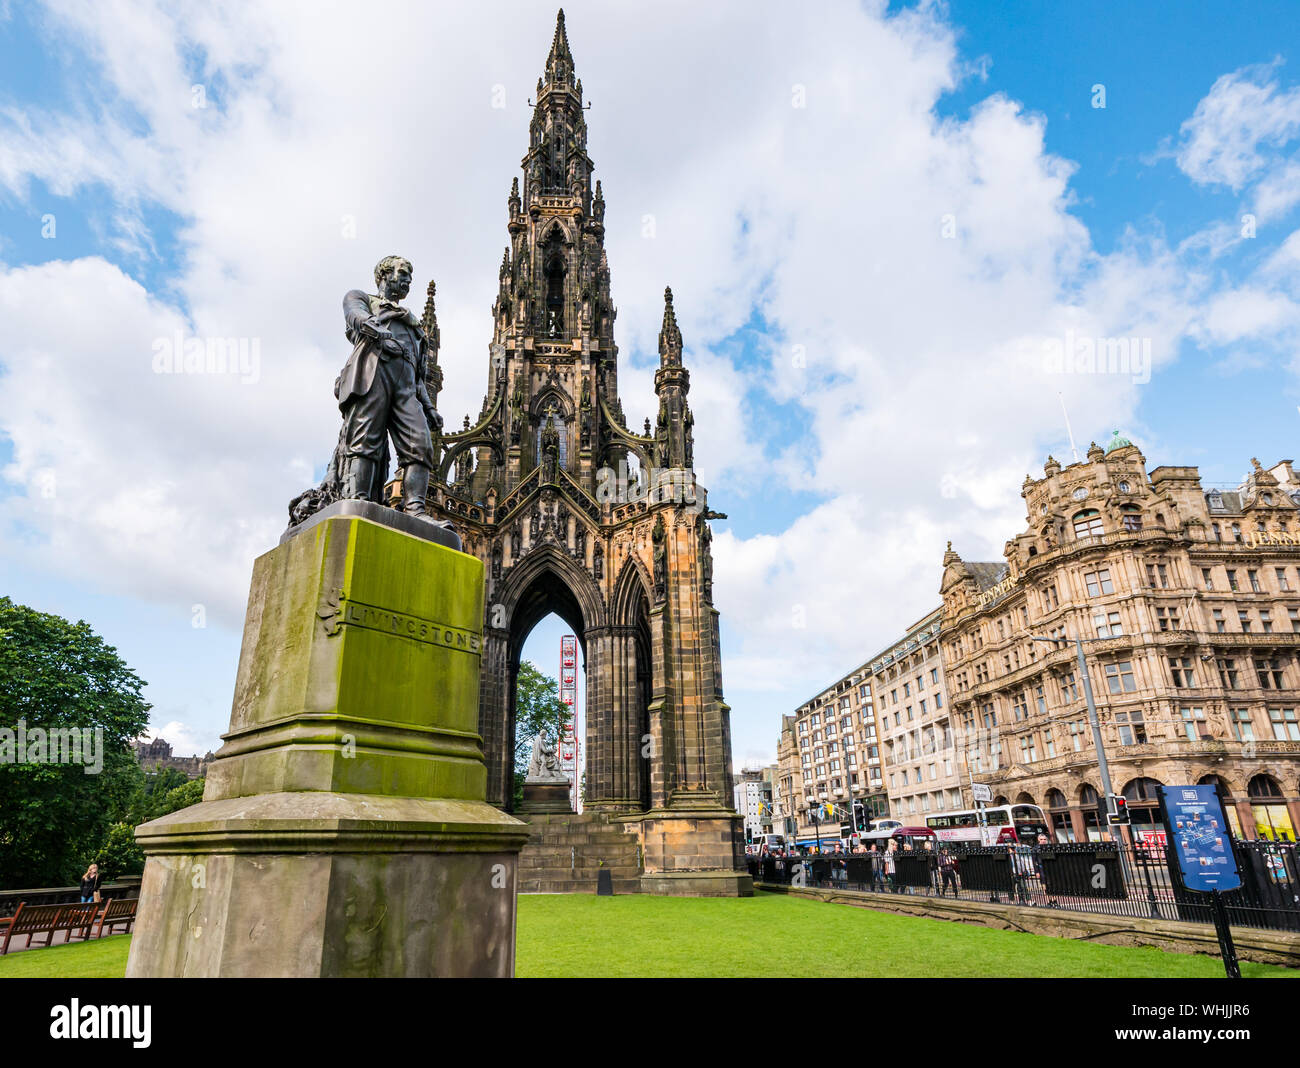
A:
{"points": [[1237, 129], [922, 365]]}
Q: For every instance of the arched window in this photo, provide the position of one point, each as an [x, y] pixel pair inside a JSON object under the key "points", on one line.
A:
{"points": [[1058, 815], [1131, 517], [554, 294], [1263, 786], [1090, 810], [1142, 790], [1087, 524], [1143, 804], [1215, 780], [1272, 819]]}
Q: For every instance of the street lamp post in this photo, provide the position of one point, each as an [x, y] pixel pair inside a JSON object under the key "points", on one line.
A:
{"points": [[817, 827]]}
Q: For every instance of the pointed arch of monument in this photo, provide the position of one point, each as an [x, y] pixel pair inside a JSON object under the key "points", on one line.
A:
{"points": [[633, 585], [549, 575], [551, 393]]}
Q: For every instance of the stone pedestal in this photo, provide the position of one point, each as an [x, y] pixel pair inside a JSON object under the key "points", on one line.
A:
{"points": [[693, 848], [343, 831], [547, 797]]}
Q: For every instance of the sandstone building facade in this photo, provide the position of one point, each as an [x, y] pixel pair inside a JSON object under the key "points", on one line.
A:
{"points": [[1190, 603], [922, 774], [829, 753]]}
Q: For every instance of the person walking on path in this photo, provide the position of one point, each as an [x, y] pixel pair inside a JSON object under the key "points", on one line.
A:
{"points": [[90, 884], [947, 872]]}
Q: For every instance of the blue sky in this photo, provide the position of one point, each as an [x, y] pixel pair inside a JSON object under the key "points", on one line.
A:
{"points": [[909, 417]]}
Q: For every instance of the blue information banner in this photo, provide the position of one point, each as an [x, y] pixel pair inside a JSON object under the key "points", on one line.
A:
{"points": [[1200, 837]]}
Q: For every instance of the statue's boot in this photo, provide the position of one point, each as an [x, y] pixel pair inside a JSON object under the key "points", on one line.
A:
{"points": [[415, 489], [361, 473]]}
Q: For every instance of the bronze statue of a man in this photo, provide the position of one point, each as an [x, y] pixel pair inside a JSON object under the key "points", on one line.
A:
{"points": [[381, 391]]}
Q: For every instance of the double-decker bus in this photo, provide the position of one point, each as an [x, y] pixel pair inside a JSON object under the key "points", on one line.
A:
{"points": [[999, 825]]}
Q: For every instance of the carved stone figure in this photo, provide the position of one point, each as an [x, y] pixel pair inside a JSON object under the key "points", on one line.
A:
{"points": [[517, 411], [550, 449], [545, 765], [706, 561]]}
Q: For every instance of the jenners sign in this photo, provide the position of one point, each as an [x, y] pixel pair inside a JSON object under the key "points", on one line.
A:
{"points": [[1254, 539]]}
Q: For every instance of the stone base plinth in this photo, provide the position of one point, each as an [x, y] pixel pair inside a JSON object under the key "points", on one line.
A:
{"points": [[308, 885], [546, 797], [693, 853], [698, 884], [344, 829]]}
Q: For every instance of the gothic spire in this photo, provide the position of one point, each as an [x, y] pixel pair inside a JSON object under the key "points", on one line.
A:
{"points": [[432, 372], [559, 64], [674, 440], [670, 337]]}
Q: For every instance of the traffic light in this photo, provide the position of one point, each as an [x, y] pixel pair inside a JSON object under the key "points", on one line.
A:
{"points": [[1118, 810], [859, 816]]}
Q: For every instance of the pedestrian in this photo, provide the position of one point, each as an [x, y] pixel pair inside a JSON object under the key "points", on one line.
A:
{"points": [[1022, 867], [90, 884], [890, 867], [947, 871], [877, 868]]}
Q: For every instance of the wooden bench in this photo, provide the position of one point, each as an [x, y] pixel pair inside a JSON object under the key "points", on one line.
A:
{"points": [[76, 918], [119, 912], [37, 920]]}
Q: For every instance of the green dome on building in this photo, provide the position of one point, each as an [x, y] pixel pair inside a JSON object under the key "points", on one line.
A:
{"points": [[1119, 441]]}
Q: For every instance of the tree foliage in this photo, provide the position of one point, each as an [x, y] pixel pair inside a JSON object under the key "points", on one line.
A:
{"points": [[54, 818], [162, 791]]}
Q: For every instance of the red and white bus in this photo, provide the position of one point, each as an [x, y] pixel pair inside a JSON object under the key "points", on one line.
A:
{"points": [[995, 825]]}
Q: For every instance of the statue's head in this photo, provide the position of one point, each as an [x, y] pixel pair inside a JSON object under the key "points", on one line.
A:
{"points": [[393, 277]]}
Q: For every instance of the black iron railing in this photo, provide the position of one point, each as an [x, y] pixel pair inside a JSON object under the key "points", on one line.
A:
{"points": [[1099, 877]]}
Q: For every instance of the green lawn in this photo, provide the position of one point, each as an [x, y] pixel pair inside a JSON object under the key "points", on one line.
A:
{"points": [[766, 935], [100, 958]]}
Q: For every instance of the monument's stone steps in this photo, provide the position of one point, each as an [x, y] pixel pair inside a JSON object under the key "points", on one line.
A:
{"points": [[566, 853]]}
